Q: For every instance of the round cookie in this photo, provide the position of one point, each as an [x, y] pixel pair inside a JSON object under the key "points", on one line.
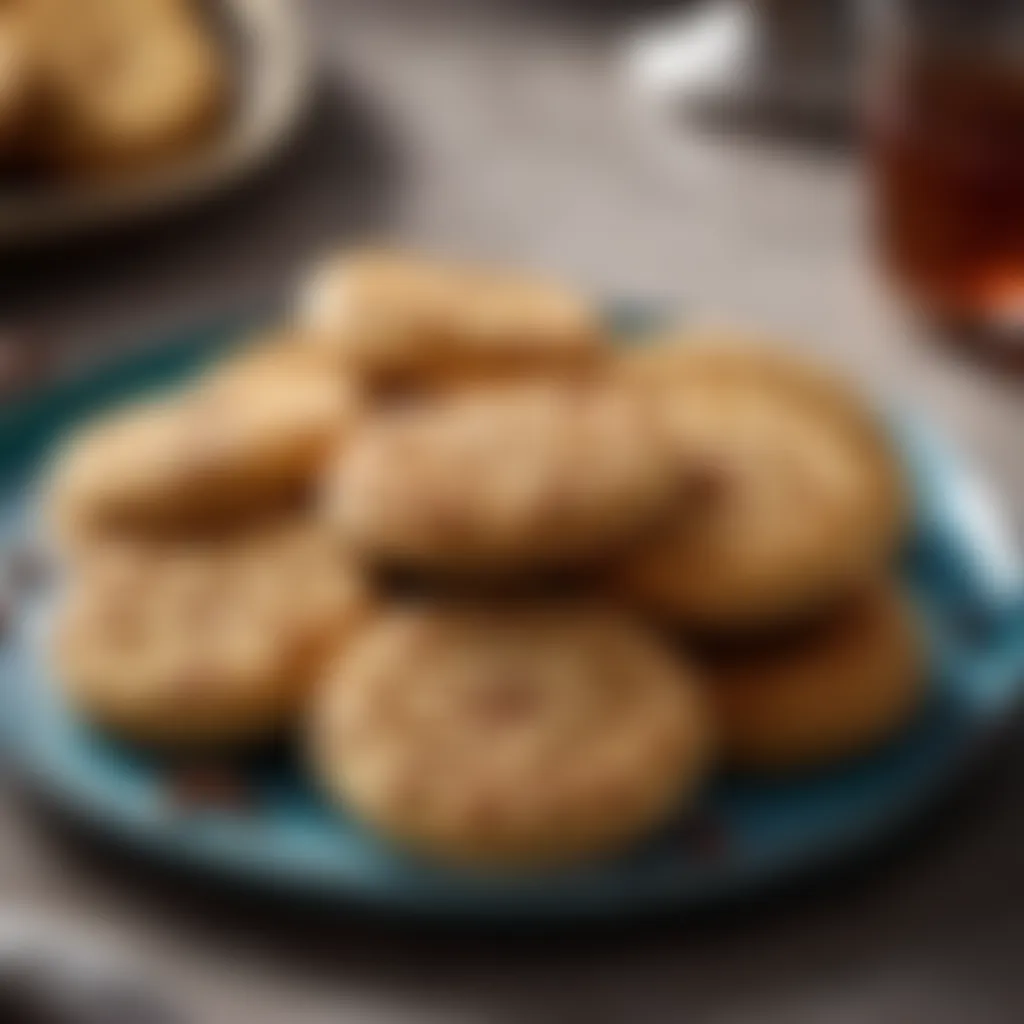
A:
{"points": [[276, 358], [389, 315], [795, 493], [255, 434], [196, 643], [128, 82], [833, 689], [520, 737], [502, 481]]}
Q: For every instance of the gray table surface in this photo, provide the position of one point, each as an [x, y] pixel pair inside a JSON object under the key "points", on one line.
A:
{"points": [[504, 131]]}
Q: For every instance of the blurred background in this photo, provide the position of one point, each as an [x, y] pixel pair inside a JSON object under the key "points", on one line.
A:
{"points": [[843, 174]]}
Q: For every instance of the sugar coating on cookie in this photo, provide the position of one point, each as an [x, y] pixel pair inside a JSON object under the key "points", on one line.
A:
{"points": [[504, 480], [396, 315], [253, 434], [515, 737], [128, 82], [203, 642], [794, 492], [833, 689]]}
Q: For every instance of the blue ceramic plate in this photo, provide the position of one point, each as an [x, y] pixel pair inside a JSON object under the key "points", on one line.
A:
{"points": [[960, 565]]}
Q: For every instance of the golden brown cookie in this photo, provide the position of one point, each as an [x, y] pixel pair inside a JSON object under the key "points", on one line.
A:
{"points": [[794, 492], [277, 357], [502, 481], [204, 642], [835, 688], [516, 738], [254, 434], [389, 315], [128, 82]]}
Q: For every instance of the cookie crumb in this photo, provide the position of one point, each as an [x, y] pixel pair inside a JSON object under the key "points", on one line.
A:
{"points": [[195, 789], [705, 838]]}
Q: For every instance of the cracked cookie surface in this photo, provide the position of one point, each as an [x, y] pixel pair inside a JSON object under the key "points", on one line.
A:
{"points": [[204, 641], [504, 480], [510, 737], [795, 494]]}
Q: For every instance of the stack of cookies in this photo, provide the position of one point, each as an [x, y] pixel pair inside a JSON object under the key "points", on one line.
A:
{"points": [[522, 590], [777, 571], [95, 87]]}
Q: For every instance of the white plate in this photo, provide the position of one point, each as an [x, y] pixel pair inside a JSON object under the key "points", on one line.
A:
{"points": [[272, 75]]}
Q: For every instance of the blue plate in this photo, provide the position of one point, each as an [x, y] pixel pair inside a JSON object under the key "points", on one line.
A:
{"points": [[960, 565]]}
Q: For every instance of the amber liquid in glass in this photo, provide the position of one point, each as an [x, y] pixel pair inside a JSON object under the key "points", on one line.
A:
{"points": [[947, 146]]}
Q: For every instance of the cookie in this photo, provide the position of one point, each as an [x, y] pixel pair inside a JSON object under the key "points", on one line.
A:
{"points": [[831, 690], [276, 357], [393, 316], [128, 83], [502, 481], [203, 642], [254, 435], [519, 737], [793, 495]]}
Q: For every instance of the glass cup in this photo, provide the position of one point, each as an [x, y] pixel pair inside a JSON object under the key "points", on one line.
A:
{"points": [[945, 126]]}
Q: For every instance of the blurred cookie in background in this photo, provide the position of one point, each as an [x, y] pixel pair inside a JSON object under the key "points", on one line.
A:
{"points": [[510, 737], [122, 84], [794, 492], [829, 689], [390, 316]]}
